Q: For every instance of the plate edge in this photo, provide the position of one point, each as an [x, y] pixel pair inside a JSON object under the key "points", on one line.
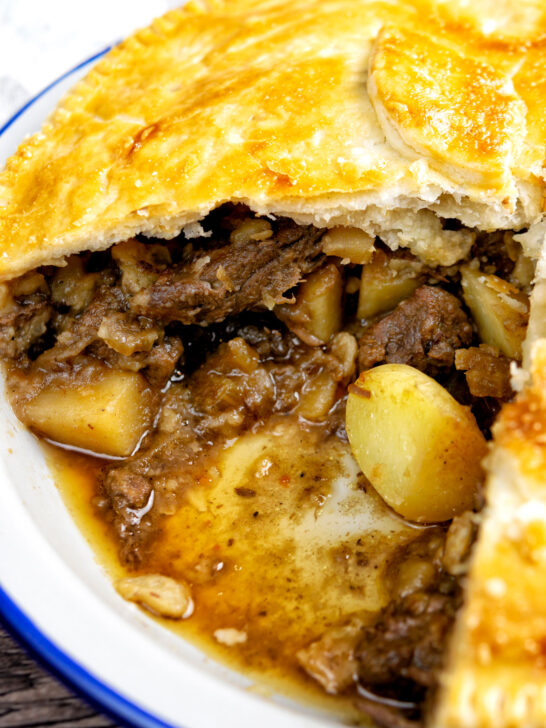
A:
{"points": [[82, 682]]}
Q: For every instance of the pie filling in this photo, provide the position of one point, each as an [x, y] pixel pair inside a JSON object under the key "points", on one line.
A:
{"points": [[210, 385]]}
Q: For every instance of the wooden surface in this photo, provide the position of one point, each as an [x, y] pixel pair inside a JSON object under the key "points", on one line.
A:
{"points": [[30, 697]]}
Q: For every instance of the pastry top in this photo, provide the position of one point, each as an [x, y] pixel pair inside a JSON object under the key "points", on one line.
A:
{"points": [[375, 113]]}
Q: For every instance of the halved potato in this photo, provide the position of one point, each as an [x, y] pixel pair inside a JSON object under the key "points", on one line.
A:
{"points": [[419, 448], [107, 415]]}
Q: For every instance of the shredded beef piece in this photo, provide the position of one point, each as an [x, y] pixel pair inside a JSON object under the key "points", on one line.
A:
{"points": [[128, 335], [405, 648], [23, 325], [331, 659], [138, 486], [487, 371], [401, 655], [496, 253], [392, 663], [128, 489], [237, 276], [157, 365], [422, 331], [76, 333], [270, 343], [110, 333], [160, 363]]}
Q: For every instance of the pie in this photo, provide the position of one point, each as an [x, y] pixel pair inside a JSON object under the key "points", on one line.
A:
{"points": [[277, 270]]}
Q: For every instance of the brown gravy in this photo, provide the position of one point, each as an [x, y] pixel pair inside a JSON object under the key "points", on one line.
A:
{"points": [[278, 545]]}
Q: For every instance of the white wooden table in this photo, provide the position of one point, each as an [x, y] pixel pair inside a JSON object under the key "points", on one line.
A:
{"points": [[41, 39]]}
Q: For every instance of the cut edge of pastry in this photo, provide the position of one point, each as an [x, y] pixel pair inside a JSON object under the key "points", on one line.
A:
{"points": [[404, 209], [495, 676], [403, 220]]}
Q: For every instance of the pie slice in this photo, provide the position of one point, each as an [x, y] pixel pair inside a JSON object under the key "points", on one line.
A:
{"points": [[238, 211]]}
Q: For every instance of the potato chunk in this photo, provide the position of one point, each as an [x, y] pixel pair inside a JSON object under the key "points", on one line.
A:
{"points": [[72, 286], [349, 244], [127, 336], [500, 310], [140, 263], [385, 282], [317, 315], [419, 447], [159, 594], [317, 398], [107, 415]]}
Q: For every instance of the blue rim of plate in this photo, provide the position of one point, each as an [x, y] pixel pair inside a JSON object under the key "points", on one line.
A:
{"points": [[54, 83], [16, 622]]}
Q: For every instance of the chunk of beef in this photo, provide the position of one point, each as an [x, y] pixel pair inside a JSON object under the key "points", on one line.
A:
{"points": [[157, 365], [137, 488], [331, 659], [226, 280], [405, 648], [128, 489], [487, 371], [160, 363], [393, 662], [76, 333], [110, 333], [422, 331], [400, 657], [22, 325]]}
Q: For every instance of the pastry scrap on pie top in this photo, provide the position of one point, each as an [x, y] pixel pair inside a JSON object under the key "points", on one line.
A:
{"points": [[274, 273]]}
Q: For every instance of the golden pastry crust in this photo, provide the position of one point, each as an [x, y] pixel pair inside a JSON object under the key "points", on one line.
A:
{"points": [[438, 103], [269, 103]]}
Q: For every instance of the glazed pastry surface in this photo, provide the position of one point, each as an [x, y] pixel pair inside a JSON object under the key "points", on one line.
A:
{"points": [[365, 113]]}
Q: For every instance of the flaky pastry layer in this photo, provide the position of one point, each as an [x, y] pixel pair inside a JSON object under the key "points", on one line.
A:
{"points": [[335, 111]]}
